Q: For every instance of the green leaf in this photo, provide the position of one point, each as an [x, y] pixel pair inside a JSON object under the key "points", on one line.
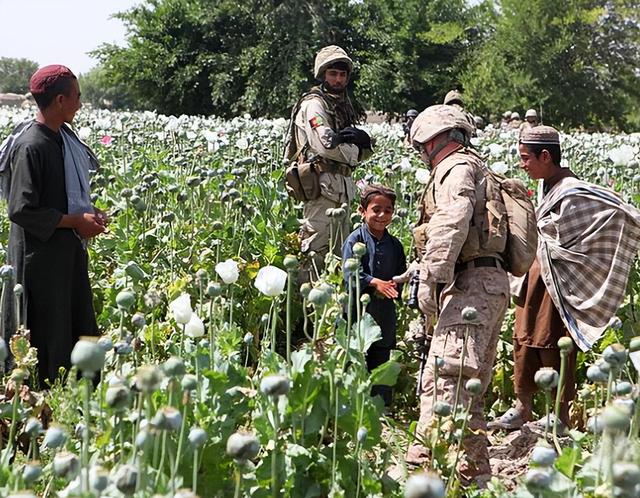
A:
{"points": [[567, 461], [299, 359], [386, 374], [366, 332]]}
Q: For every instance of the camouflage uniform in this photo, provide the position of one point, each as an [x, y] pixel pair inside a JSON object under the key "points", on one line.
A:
{"points": [[319, 117], [458, 258]]}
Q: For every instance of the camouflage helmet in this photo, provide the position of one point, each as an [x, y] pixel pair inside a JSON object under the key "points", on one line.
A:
{"points": [[453, 97], [328, 56], [479, 122], [437, 119], [411, 113], [506, 115], [515, 115], [531, 113]]}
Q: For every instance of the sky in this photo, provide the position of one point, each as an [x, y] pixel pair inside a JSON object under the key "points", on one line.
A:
{"points": [[60, 31]]}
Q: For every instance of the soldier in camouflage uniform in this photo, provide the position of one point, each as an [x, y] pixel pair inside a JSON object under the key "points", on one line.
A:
{"points": [[460, 266], [323, 133], [530, 120], [515, 122]]}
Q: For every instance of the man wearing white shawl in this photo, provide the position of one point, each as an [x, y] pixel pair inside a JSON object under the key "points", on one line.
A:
{"points": [[588, 240]]}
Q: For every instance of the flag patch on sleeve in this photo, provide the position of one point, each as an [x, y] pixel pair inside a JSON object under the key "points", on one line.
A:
{"points": [[316, 121]]}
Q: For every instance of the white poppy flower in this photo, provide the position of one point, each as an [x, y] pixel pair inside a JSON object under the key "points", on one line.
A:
{"points": [[623, 155], [194, 328], [84, 133], [271, 280], [228, 271], [499, 167], [405, 164], [422, 175], [242, 143], [181, 309]]}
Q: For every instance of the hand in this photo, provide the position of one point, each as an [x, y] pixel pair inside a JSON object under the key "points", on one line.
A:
{"points": [[355, 136], [406, 276], [101, 216], [385, 287], [88, 225]]}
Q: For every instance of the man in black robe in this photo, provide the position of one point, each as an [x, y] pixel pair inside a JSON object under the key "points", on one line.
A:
{"points": [[47, 240]]}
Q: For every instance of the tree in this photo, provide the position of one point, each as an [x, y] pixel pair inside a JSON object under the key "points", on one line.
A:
{"points": [[15, 74], [100, 92], [576, 61]]}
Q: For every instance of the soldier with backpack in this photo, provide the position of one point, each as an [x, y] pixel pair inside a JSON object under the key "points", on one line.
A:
{"points": [[463, 261], [323, 149]]}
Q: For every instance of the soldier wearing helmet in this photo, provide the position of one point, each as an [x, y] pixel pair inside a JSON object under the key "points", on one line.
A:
{"points": [[323, 135], [460, 265], [515, 122], [454, 98], [504, 122], [409, 118], [530, 120]]}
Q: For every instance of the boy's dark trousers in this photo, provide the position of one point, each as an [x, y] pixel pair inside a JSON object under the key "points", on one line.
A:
{"points": [[376, 356]]}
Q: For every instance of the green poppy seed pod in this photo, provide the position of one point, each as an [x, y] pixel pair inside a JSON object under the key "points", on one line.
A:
{"points": [[197, 437], [290, 262], [125, 300], [634, 344], [604, 366], [126, 479], [615, 355], [469, 314], [202, 276], [18, 375], [4, 351], [126, 193], [31, 472], [118, 397], [66, 465], [625, 404], [143, 437], [138, 320], [305, 290], [439, 362], [174, 367], [193, 181], [543, 456], [615, 323], [217, 225], [54, 438], [626, 475], [18, 289], [623, 388], [88, 357], [537, 480], [148, 378], [565, 344], [134, 271], [242, 446], [318, 297], [424, 485], [474, 386], [214, 289], [168, 217], [365, 299], [275, 385], [546, 378], [98, 478], [329, 212], [615, 419], [594, 425], [442, 408], [359, 249], [6, 273], [339, 213], [167, 418], [189, 382], [596, 375], [33, 427], [362, 434], [351, 265], [248, 338]]}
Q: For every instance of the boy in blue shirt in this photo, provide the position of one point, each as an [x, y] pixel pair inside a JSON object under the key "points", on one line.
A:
{"points": [[383, 260]]}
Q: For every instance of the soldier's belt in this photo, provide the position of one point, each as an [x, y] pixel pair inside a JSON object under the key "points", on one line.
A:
{"points": [[325, 166], [487, 262]]}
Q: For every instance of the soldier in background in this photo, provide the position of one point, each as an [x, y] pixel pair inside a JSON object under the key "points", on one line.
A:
{"points": [[530, 120], [409, 117], [504, 122], [515, 122], [323, 134], [458, 268], [454, 98]]}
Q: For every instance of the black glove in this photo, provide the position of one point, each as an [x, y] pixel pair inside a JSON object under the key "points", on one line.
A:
{"points": [[355, 136]]}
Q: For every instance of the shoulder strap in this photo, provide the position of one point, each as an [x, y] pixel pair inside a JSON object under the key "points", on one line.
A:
{"points": [[293, 150]]}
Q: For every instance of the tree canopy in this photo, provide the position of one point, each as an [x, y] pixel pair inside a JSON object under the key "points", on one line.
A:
{"points": [[15, 74], [576, 61]]}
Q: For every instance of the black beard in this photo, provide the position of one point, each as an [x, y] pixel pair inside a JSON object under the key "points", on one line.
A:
{"points": [[329, 89]]}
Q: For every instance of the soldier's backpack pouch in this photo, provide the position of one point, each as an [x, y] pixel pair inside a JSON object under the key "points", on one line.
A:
{"points": [[303, 181]]}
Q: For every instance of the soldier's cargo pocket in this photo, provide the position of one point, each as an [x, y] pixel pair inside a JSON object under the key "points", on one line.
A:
{"points": [[449, 345], [310, 181]]}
